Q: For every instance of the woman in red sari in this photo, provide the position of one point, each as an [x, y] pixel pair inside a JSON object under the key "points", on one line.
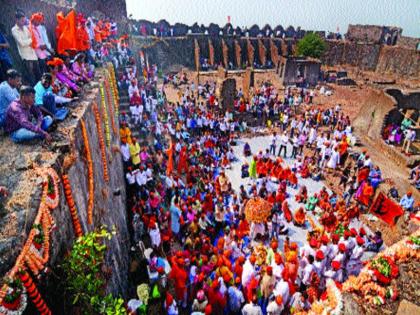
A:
{"points": [[182, 164], [286, 211], [300, 217]]}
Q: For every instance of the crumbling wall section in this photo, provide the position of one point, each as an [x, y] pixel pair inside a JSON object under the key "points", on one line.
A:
{"points": [[364, 56], [397, 60], [373, 57]]}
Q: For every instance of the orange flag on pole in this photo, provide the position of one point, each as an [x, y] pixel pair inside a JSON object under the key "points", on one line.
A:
{"points": [[66, 32]]}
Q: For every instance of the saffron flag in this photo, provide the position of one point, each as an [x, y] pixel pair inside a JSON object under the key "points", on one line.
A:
{"points": [[386, 209], [66, 32]]}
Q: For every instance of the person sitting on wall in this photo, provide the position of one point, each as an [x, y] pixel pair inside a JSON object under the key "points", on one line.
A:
{"points": [[9, 92], [24, 121], [46, 100]]}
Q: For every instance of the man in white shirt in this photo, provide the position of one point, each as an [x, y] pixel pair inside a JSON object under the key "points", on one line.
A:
{"points": [[136, 113], [133, 88], [282, 288], [141, 177], [23, 39], [284, 139], [307, 271], [273, 143], [125, 151]]}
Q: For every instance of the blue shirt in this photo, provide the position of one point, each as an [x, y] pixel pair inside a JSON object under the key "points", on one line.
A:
{"points": [[407, 202], [7, 96], [40, 91], [236, 298], [175, 215]]}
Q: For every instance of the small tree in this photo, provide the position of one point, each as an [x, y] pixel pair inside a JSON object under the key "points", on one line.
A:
{"points": [[85, 282], [311, 45]]}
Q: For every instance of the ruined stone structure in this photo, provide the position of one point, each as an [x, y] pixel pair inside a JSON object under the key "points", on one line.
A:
{"points": [[238, 58], [409, 42], [251, 52], [225, 52], [374, 34], [295, 70], [228, 93], [211, 53], [248, 82], [373, 57], [262, 52], [197, 55]]}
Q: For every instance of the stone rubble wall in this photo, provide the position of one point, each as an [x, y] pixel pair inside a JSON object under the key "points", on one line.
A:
{"points": [[399, 60], [383, 59]]}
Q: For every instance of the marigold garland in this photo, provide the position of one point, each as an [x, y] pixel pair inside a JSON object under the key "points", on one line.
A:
{"points": [[91, 186], [105, 115], [33, 293], [72, 206], [110, 105], [31, 257], [114, 87], [101, 141]]}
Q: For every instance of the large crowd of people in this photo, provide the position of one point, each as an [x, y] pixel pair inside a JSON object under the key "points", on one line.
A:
{"points": [[203, 255], [195, 248]]}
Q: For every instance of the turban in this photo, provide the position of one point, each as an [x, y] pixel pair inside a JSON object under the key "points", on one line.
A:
{"points": [[55, 62], [360, 240], [252, 259], [279, 300], [342, 247], [37, 17], [269, 270], [241, 259], [335, 264], [313, 242], [362, 231], [324, 239], [226, 278], [277, 259], [274, 245], [319, 255], [353, 232]]}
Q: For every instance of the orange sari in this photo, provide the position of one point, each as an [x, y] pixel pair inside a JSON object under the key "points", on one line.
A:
{"points": [[170, 153]]}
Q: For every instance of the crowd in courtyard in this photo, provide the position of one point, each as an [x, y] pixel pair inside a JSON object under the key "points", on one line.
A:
{"points": [[201, 245], [205, 254]]}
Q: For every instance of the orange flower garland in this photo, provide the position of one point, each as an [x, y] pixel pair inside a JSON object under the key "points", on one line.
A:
{"points": [[72, 206], [30, 257], [90, 173], [34, 293], [101, 141], [110, 105]]}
